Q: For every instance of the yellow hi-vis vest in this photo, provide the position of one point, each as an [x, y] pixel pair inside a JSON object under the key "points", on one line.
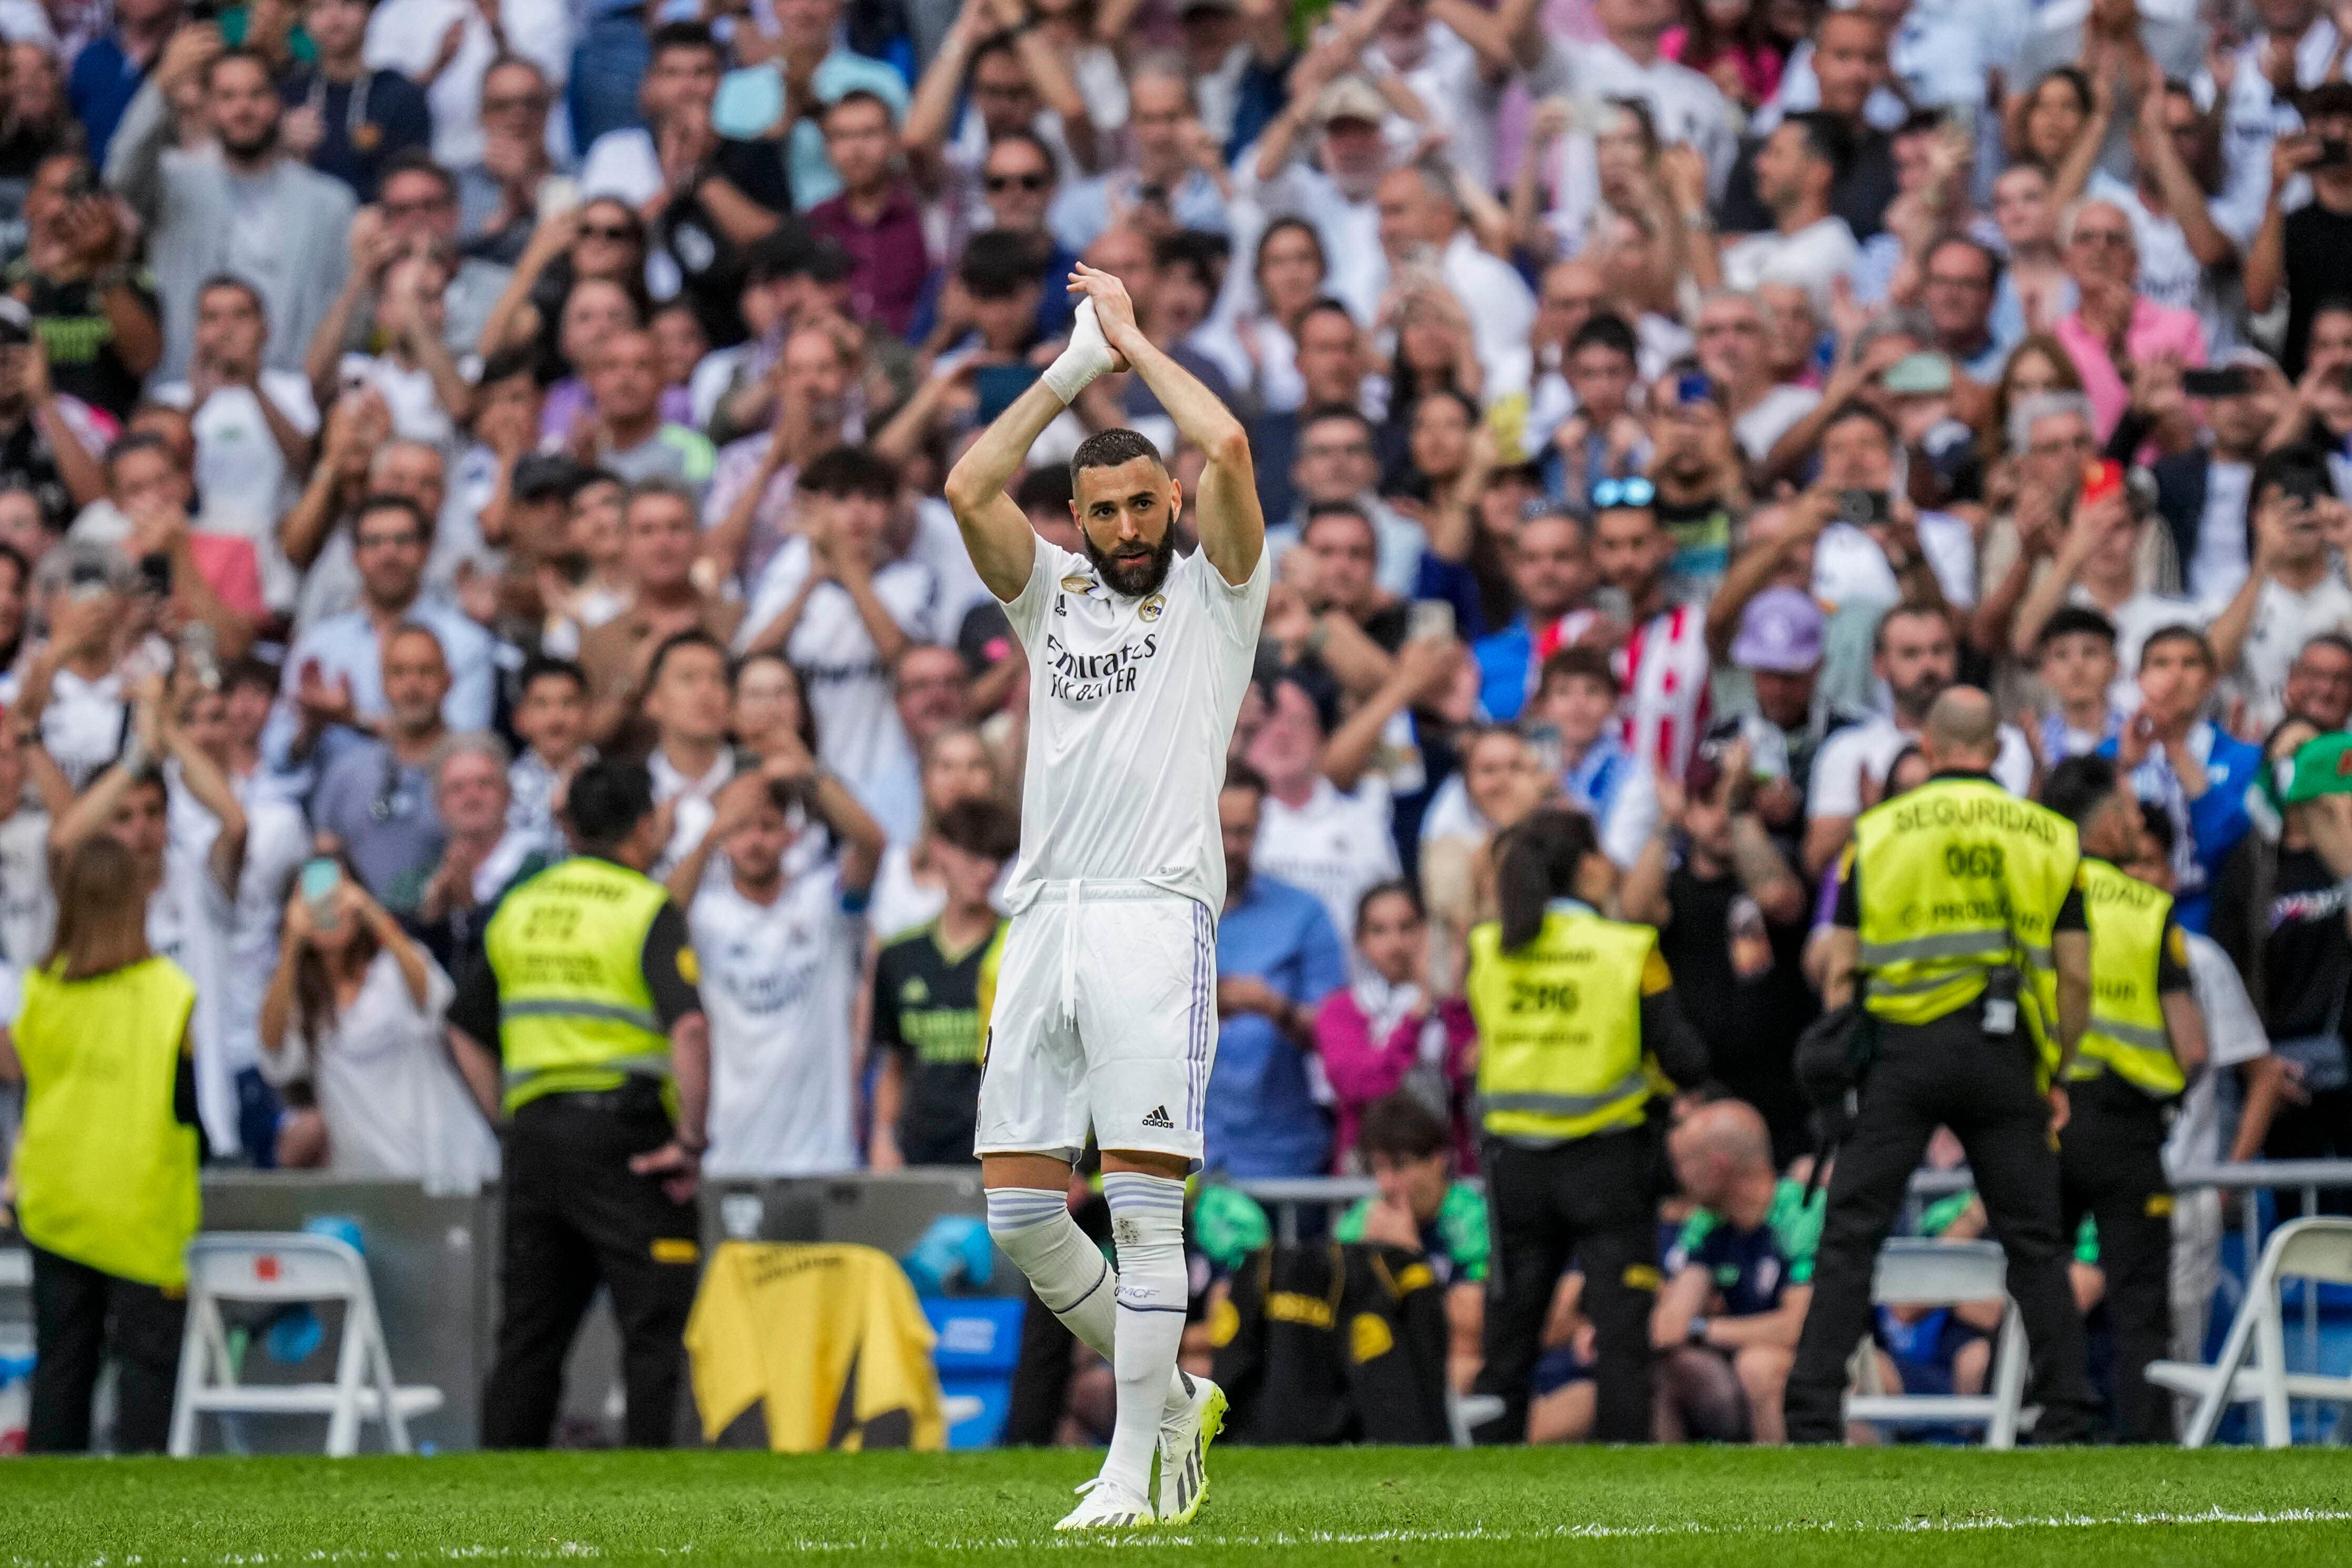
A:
{"points": [[105, 1175], [1559, 1025], [1959, 878], [567, 948], [2128, 920]]}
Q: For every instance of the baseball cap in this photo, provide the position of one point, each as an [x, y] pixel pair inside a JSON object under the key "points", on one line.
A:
{"points": [[1350, 98], [1780, 632], [2323, 765]]}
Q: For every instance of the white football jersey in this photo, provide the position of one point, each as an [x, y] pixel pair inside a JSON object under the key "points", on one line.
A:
{"points": [[1131, 705], [779, 983]]}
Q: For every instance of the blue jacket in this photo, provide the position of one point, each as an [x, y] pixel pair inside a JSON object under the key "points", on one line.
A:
{"points": [[2208, 828], [1262, 1119]]}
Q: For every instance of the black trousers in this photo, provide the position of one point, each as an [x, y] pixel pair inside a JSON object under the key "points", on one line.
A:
{"points": [[79, 1317], [1947, 1073], [576, 1216], [1591, 1200], [2111, 1166]]}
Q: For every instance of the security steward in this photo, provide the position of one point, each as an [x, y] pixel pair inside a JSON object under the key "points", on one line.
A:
{"points": [[1950, 895], [1578, 1020], [605, 1057], [2145, 1040]]}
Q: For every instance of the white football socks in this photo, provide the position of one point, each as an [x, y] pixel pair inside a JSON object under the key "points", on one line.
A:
{"points": [[1065, 1268], [1146, 1222]]}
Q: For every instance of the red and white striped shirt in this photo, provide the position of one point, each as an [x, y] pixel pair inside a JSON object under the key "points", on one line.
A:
{"points": [[1663, 667]]}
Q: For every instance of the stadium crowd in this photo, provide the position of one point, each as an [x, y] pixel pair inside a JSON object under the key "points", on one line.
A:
{"points": [[1655, 408]]}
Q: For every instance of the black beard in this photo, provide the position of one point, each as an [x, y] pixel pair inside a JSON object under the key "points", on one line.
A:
{"points": [[1135, 581], [249, 151]]}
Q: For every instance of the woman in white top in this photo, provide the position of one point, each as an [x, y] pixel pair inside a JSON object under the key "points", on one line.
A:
{"points": [[907, 889], [1264, 330], [360, 1006]]}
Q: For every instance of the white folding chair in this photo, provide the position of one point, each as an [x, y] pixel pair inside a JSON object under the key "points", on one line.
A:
{"points": [[1912, 1270], [2252, 1367], [286, 1268]]}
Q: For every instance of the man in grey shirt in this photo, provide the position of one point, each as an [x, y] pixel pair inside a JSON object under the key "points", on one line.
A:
{"points": [[239, 206], [376, 799], [628, 435], [2123, 46]]}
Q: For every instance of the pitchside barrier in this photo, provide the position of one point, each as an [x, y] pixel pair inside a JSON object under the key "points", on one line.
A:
{"points": [[432, 1259]]}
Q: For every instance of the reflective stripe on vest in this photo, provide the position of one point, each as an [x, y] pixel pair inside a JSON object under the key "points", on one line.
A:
{"points": [[2126, 1035], [1634, 1082], [1559, 1023], [1959, 878], [575, 1013]]}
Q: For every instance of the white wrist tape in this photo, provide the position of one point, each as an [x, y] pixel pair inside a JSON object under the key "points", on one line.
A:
{"points": [[1088, 356]]}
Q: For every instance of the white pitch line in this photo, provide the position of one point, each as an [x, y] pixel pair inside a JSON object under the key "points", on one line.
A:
{"points": [[556, 1551]]}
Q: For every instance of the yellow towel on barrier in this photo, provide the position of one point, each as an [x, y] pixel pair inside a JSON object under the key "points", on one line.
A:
{"points": [[830, 1340]]}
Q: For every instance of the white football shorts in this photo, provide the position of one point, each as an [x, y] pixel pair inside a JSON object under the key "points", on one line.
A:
{"points": [[1105, 1015]]}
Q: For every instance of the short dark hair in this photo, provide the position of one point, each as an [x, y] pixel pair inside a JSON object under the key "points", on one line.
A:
{"points": [[860, 95], [1323, 305], [1204, 254], [547, 667], [1993, 266], [2336, 640], [608, 798], [681, 35], [138, 441], [1403, 887], [2079, 786], [2074, 620], [1240, 775], [237, 52], [243, 285], [1607, 331], [1852, 409], [508, 363], [1111, 448], [249, 670], [2298, 467], [386, 501], [982, 828], [1401, 1127], [1827, 139], [2157, 823], [1318, 510], [2179, 633], [851, 471], [1579, 661], [692, 637], [998, 263], [417, 161], [1324, 411]]}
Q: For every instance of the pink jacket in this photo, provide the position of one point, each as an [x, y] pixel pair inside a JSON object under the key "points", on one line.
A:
{"points": [[1362, 1069], [2155, 329]]}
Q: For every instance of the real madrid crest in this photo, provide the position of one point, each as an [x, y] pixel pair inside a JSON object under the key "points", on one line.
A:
{"points": [[1153, 606]]}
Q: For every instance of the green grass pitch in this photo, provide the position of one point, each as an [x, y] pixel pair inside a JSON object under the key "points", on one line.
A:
{"points": [[1913, 1507]]}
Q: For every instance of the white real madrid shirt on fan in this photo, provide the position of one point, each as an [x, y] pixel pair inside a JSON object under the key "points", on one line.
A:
{"points": [[1334, 845], [779, 983], [1106, 1002]]}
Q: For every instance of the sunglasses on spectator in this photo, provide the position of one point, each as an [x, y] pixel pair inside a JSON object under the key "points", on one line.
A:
{"points": [[1000, 184], [519, 103], [1634, 492], [610, 231]]}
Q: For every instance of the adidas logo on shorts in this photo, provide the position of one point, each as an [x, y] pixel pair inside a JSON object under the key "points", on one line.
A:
{"points": [[1158, 1118]]}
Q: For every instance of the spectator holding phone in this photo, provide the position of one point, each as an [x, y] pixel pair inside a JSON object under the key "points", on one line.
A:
{"points": [[2302, 251], [2184, 762], [2293, 591], [356, 1006]]}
